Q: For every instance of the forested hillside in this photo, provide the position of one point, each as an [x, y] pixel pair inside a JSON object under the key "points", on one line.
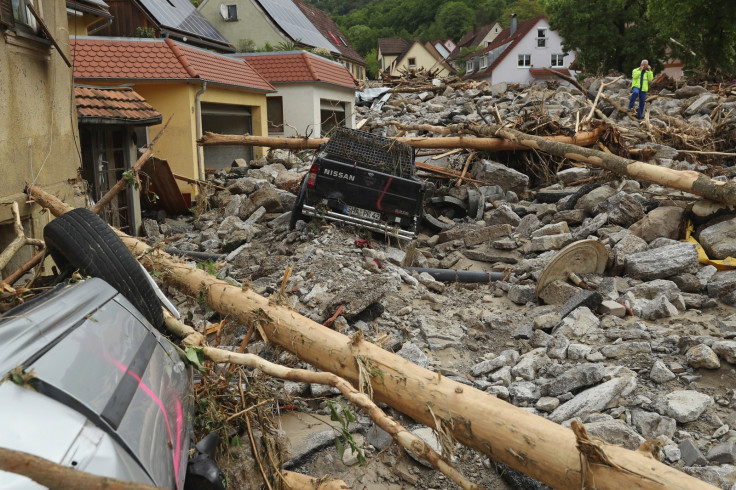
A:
{"points": [[608, 34]]}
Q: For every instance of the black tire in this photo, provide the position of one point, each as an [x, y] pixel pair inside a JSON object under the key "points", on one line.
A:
{"points": [[81, 240], [296, 212]]}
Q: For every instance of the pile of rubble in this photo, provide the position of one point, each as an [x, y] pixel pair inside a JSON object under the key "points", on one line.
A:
{"points": [[643, 351]]}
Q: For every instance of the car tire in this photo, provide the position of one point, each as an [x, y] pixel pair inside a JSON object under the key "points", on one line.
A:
{"points": [[296, 212], [81, 240]]}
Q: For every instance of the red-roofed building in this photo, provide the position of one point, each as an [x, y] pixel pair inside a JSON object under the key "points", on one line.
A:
{"points": [[314, 94], [200, 90], [518, 54]]}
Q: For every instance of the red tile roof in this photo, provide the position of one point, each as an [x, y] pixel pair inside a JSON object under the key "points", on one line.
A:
{"points": [[503, 38], [327, 27], [541, 73], [120, 104], [392, 45], [299, 66], [99, 58]]}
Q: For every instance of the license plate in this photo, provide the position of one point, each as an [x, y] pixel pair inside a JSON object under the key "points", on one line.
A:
{"points": [[363, 213]]}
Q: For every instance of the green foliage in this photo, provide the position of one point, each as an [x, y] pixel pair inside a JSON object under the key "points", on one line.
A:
{"points": [[371, 60], [344, 416], [704, 31], [130, 177], [524, 10], [145, 31], [208, 266], [195, 357], [621, 38]]}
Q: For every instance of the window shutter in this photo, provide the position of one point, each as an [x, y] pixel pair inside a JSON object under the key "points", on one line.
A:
{"points": [[6, 14]]}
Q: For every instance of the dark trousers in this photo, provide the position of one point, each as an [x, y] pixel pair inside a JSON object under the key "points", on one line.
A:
{"points": [[642, 99]]}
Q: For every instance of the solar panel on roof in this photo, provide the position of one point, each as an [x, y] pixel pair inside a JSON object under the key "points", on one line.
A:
{"points": [[181, 15], [292, 20]]}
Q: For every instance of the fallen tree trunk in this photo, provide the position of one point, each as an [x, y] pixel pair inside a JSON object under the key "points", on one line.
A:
{"points": [[484, 144], [684, 180], [60, 477], [528, 443]]}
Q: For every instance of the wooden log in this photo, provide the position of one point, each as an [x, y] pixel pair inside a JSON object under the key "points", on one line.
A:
{"points": [[526, 442], [684, 180], [60, 477], [471, 143], [298, 481]]}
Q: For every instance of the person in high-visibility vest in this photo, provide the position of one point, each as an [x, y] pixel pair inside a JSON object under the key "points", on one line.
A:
{"points": [[640, 79]]}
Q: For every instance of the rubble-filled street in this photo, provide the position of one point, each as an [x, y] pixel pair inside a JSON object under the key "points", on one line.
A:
{"points": [[625, 330]]}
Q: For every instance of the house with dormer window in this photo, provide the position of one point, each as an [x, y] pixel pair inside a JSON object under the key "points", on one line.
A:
{"points": [[520, 53]]}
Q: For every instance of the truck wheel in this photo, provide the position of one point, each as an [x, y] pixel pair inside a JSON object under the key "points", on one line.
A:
{"points": [[296, 212], [81, 240]]}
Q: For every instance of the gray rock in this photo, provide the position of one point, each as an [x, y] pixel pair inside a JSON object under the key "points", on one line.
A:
{"points": [[615, 432], [724, 452], [660, 374], [663, 221], [652, 289], [623, 209], [625, 349], [663, 262], [590, 226], [723, 286], [688, 91], [628, 245], [499, 391], [523, 331], [485, 234], [430, 437], [702, 103], [722, 476], [359, 295], [558, 292], [547, 320], [502, 215], [594, 399], [507, 178], [552, 229], [557, 347], [690, 453], [522, 294], [152, 231], [547, 404], [412, 353], [659, 307], [540, 339], [671, 453], [550, 242], [573, 379], [524, 392], [378, 438], [579, 323], [719, 240], [652, 425], [441, 332], [508, 358], [726, 350], [686, 405], [577, 352], [527, 225], [572, 174], [503, 375], [530, 363], [572, 217], [592, 199], [702, 356]]}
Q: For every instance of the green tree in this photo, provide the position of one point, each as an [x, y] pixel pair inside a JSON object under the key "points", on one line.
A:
{"points": [[608, 34], [524, 10], [704, 29], [371, 60], [489, 12], [455, 18], [362, 37]]}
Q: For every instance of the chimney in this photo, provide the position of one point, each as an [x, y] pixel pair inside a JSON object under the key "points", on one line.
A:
{"points": [[513, 25]]}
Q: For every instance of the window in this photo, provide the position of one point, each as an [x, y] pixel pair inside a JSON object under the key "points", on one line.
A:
{"points": [[483, 62], [469, 66], [541, 32], [557, 59], [525, 60], [15, 15], [412, 62], [275, 110], [541, 39], [232, 12]]}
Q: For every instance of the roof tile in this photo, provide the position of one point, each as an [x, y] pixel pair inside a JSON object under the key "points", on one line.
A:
{"points": [[113, 104], [300, 67]]}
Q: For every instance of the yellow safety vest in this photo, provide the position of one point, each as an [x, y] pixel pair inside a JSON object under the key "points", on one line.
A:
{"points": [[636, 79]]}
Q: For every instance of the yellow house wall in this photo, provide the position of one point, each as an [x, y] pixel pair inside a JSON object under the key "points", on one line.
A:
{"points": [[423, 59], [257, 103], [38, 135]]}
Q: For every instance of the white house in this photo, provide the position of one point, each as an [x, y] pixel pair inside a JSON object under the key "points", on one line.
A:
{"points": [[313, 94], [519, 54]]}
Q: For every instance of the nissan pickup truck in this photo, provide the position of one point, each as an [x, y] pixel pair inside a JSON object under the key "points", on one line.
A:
{"points": [[364, 180]]}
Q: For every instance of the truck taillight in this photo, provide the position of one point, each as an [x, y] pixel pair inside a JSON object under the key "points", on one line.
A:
{"points": [[312, 177]]}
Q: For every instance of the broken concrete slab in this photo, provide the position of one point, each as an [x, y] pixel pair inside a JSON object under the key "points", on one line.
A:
{"points": [[663, 262], [594, 399]]}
